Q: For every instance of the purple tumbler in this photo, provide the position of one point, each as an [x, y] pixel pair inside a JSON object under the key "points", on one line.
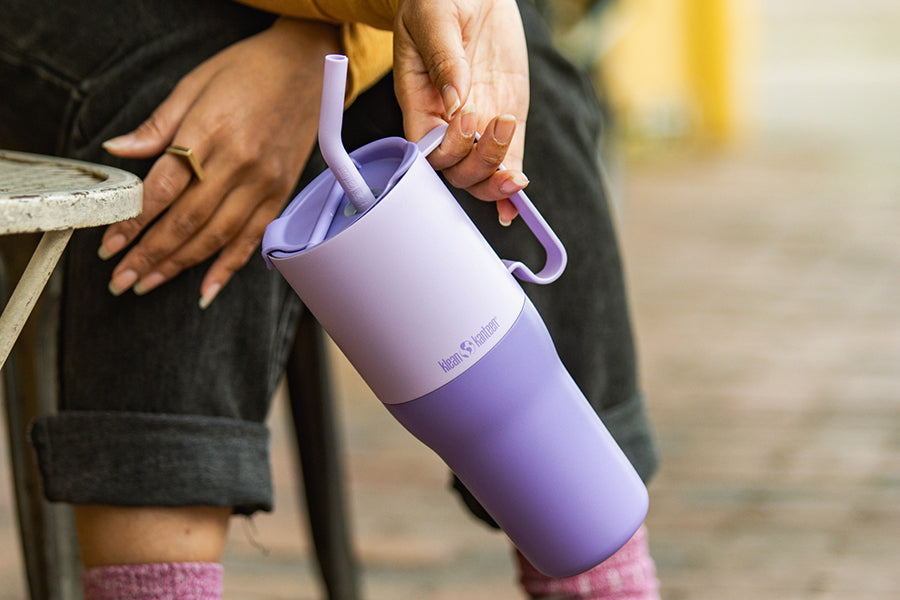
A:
{"points": [[436, 324]]}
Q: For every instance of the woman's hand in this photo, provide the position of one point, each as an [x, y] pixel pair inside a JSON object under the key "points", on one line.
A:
{"points": [[465, 61], [249, 114]]}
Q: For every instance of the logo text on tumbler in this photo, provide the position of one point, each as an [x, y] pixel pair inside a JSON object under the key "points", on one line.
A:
{"points": [[469, 346]]}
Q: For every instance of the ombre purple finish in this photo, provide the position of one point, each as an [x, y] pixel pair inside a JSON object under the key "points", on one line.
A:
{"points": [[521, 436]]}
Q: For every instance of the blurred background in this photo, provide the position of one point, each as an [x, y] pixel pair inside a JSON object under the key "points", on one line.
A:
{"points": [[753, 159]]}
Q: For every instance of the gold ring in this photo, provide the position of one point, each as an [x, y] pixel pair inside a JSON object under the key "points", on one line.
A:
{"points": [[188, 154]]}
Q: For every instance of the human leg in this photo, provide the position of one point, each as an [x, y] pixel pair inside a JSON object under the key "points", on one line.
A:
{"points": [[147, 552], [160, 436], [122, 535]]}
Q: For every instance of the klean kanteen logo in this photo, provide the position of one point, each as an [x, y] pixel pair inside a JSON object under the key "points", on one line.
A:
{"points": [[469, 347]]}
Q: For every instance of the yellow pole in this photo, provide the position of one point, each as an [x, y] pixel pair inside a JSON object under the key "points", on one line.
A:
{"points": [[719, 36]]}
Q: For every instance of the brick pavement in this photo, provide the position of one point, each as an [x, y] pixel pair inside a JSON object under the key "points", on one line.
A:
{"points": [[765, 288], [764, 285], [771, 339]]}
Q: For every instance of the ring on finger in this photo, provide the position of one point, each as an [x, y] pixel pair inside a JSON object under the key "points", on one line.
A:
{"points": [[190, 157]]}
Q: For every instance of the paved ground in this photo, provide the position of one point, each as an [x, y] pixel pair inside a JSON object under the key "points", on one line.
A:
{"points": [[766, 293], [765, 290]]}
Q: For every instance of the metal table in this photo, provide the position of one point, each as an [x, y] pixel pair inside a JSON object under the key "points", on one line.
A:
{"points": [[54, 196]]}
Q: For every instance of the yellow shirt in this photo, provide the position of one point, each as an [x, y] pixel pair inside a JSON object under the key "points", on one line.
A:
{"points": [[377, 13], [365, 33]]}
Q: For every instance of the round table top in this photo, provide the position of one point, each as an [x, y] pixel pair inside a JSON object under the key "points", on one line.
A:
{"points": [[46, 193]]}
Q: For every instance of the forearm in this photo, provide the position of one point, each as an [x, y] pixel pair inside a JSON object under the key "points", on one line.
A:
{"points": [[365, 33]]}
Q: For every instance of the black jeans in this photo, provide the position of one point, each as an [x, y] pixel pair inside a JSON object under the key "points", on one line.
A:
{"points": [[164, 404]]}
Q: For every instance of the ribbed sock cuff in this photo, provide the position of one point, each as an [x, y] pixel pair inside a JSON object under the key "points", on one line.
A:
{"points": [[629, 574], [158, 581]]}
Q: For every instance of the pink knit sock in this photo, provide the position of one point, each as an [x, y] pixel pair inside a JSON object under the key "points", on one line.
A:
{"points": [[629, 574], [163, 581]]}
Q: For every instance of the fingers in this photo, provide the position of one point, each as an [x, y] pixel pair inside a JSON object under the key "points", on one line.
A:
{"points": [[230, 230], [176, 207], [458, 140], [166, 181], [183, 218], [234, 229], [236, 253], [506, 212], [465, 165], [153, 135], [475, 167]]}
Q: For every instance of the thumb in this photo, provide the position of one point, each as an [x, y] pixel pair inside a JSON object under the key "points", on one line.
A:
{"points": [[438, 38]]}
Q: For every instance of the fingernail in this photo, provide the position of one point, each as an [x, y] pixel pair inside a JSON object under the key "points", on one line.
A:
{"points": [[504, 128], [122, 282], [112, 246], [504, 223], [149, 282], [116, 144], [514, 184], [451, 100], [210, 295], [468, 120]]}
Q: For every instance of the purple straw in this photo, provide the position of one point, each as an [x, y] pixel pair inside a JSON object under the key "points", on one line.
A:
{"points": [[331, 117]]}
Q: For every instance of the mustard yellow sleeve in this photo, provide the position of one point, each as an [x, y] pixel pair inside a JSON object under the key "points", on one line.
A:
{"points": [[370, 56], [377, 13], [365, 33]]}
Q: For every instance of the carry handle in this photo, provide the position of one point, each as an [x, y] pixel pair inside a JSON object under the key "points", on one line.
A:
{"points": [[555, 263]]}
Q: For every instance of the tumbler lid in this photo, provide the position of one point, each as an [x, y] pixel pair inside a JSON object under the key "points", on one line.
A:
{"points": [[323, 210]]}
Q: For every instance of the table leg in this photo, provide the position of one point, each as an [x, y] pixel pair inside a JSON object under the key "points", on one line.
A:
{"points": [[29, 288]]}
